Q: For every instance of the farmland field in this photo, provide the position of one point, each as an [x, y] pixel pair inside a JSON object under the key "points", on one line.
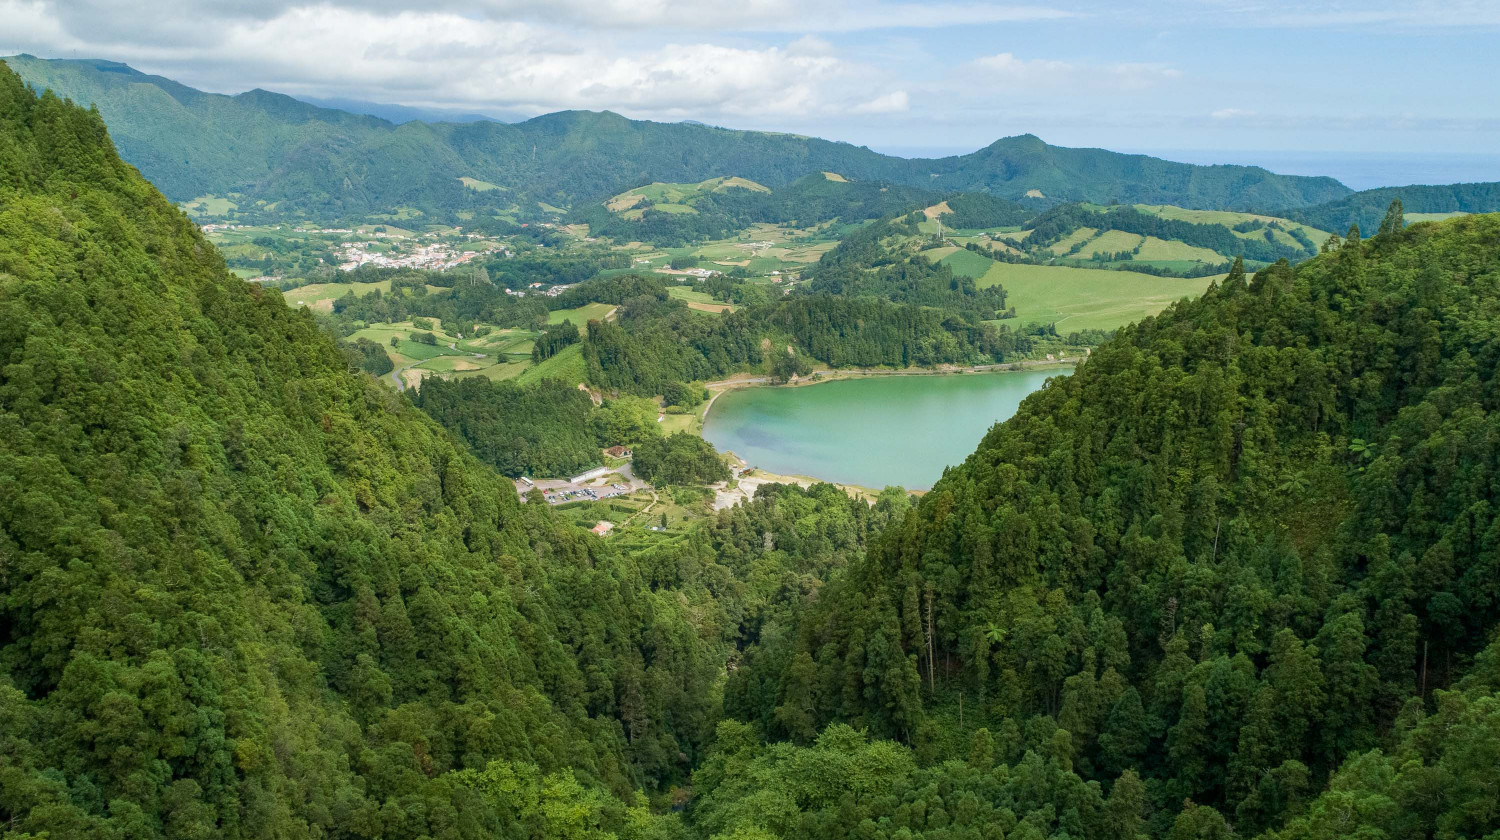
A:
{"points": [[1082, 298], [967, 263], [1229, 219], [701, 301], [478, 185], [1062, 246], [320, 296], [1112, 241], [1163, 249], [582, 315]]}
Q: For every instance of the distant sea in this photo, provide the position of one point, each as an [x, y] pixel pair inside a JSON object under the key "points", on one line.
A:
{"points": [[1359, 170]]}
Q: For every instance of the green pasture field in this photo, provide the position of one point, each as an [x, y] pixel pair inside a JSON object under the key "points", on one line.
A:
{"points": [[1062, 246], [1171, 249], [1083, 298], [967, 263], [320, 296], [582, 315]]}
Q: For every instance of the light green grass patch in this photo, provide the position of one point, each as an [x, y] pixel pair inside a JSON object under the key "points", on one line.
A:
{"points": [[451, 364], [210, 205], [499, 371], [1112, 241], [1083, 298], [320, 296], [699, 301], [1172, 249], [478, 185], [966, 263], [1413, 218], [567, 365], [582, 315], [1064, 245]]}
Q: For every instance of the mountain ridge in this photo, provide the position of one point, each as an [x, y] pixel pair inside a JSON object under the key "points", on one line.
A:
{"points": [[334, 162]]}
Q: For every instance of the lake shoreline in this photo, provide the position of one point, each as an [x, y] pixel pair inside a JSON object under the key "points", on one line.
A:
{"points": [[802, 471], [819, 377]]}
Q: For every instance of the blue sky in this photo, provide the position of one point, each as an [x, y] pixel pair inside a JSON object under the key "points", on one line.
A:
{"points": [[1376, 77]]}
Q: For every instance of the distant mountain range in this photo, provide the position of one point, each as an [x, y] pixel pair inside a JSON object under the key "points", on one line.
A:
{"points": [[278, 151]]}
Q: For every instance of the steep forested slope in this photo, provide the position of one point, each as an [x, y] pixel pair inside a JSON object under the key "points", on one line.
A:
{"points": [[246, 592], [316, 160], [1248, 543]]}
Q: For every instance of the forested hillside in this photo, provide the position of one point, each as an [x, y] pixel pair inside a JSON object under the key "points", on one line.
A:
{"points": [[308, 160], [248, 592], [1237, 574], [1365, 208]]}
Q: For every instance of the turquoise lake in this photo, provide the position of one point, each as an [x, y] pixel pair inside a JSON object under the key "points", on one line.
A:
{"points": [[873, 432]]}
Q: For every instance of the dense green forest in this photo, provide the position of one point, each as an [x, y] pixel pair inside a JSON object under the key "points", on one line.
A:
{"points": [[657, 340], [1243, 559], [248, 592], [266, 147], [1235, 577], [540, 429]]}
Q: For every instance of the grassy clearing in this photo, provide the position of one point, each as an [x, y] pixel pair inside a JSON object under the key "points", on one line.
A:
{"points": [[966, 263], [503, 370], [1082, 298], [418, 350], [675, 198], [320, 296], [451, 364], [210, 205], [1112, 241], [480, 186], [936, 210], [674, 423], [1171, 249], [1413, 218], [1064, 245], [567, 365], [701, 301], [582, 315]]}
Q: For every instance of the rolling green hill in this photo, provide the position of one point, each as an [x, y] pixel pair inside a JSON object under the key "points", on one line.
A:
{"points": [[265, 147]]}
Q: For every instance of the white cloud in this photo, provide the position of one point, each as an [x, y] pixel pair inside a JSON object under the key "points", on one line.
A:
{"points": [[1231, 114], [444, 58], [1039, 73], [171, 21], [891, 103]]}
